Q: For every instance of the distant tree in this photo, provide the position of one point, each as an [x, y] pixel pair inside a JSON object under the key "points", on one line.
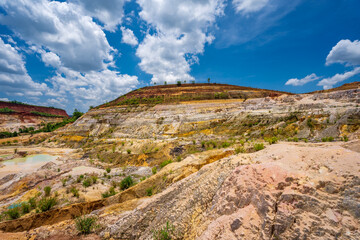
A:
{"points": [[77, 114], [165, 82], [178, 83], [91, 107], [184, 81], [208, 80], [193, 81], [154, 83]]}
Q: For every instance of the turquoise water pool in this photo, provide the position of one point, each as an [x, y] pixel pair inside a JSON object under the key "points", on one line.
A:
{"points": [[31, 159]]}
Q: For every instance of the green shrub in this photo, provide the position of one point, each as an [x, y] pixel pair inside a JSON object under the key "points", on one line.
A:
{"points": [[32, 202], [165, 233], [126, 183], [154, 170], [128, 151], [87, 182], [109, 193], [327, 139], [345, 138], [85, 224], [258, 146], [164, 163], [75, 192], [239, 150], [6, 110], [47, 191], [149, 191], [64, 180], [94, 179], [46, 203], [13, 212], [25, 208], [225, 144], [310, 123], [108, 170], [271, 140]]}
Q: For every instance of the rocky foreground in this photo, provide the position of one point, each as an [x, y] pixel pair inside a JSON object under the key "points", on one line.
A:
{"points": [[275, 167]]}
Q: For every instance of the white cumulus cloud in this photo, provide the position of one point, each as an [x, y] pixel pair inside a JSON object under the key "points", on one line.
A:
{"points": [[109, 12], [60, 28], [328, 83], [128, 37], [180, 34], [300, 82], [345, 52], [14, 79]]}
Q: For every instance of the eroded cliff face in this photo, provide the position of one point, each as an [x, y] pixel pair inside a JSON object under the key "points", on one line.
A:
{"points": [[310, 116], [23, 115], [11, 122]]}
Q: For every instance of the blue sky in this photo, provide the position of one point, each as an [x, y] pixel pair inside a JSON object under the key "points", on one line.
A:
{"points": [[77, 53]]}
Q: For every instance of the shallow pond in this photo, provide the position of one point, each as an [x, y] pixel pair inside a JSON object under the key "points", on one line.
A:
{"points": [[26, 164], [31, 159]]}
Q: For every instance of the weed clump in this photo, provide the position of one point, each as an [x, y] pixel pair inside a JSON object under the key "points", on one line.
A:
{"points": [[164, 163], [85, 224], [109, 193], [47, 191], [165, 233], [46, 203], [258, 146], [126, 183]]}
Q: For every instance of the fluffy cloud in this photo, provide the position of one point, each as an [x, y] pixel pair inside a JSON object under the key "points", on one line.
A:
{"points": [[128, 37], [328, 83], [300, 82], [14, 79], [60, 28], [109, 12], [248, 6], [345, 52], [67, 39], [92, 88], [180, 34]]}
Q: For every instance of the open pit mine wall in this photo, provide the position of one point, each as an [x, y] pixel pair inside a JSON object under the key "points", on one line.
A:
{"points": [[304, 116], [11, 122], [22, 117]]}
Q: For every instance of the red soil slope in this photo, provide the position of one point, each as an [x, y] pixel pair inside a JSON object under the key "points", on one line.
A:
{"points": [[27, 109]]}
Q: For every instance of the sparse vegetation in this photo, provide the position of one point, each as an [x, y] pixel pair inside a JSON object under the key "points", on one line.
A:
{"points": [[109, 193], [164, 163], [75, 192], [258, 146], [240, 150], [149, 191], [327, 139], [47, 191], [46, 203], [85, 224], [165, 233], [6, 110], [13, 212], [271, 140], [126, 183], [154, 170]]}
